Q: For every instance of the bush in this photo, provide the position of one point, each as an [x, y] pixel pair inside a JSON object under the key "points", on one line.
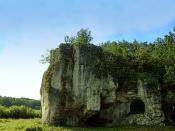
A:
{"points": [[11, 101], [3, 112], [19, 112], [34, 129]]}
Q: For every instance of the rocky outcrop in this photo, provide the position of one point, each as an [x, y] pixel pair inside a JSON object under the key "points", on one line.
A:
{"points": [[152, 114], [75, 91]]}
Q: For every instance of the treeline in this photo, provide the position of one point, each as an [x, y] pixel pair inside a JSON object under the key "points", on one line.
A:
{"points": [[125, 60], [10, 101], [19, 112], [156, 60], [11, 107], [153, 62]]}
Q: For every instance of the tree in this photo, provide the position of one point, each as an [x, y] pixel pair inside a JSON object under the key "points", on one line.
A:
{"points": [[45, 58], [83, 37], [68, 39], [169, 76]]}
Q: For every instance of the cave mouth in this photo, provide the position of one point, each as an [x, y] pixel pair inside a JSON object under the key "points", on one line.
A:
{"points": [[173, 118], [137, 107], [96, 121], [93, 120]]}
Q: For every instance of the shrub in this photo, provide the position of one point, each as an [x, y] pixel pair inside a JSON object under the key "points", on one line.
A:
{"points": [[19, 112], [34, 129]]}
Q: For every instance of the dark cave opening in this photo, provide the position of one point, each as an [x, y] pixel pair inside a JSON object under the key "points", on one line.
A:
{"points": [[169, 111], [173, 117], [97, 121], [173, 113], [93, 120], [137, 106]]}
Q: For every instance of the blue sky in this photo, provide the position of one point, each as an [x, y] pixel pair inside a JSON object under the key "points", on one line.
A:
{"points": [[29, 27]]}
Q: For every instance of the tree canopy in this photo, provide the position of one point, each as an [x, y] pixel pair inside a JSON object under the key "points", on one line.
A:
{"points": [[10, 101], [156, 58], [83, 37], [127, 59]]}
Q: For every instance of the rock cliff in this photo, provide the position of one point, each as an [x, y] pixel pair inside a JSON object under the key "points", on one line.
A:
{"points": [[77, 90]]}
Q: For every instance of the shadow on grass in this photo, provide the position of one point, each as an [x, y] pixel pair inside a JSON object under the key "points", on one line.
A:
{"points": [[120, 128]]}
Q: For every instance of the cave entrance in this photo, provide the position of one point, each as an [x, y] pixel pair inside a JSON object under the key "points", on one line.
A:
{"points": [[96, 121], [173, 113], [137, 107], [93, 120], [173, 118]]}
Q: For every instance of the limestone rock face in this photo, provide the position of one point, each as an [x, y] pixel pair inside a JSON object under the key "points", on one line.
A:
{"points": [[74, 93]]}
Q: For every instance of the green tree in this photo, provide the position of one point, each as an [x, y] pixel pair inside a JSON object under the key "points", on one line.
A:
{"points": [[10, 101], [45, 58], [69, 40], [169, 76], [83, 37]]}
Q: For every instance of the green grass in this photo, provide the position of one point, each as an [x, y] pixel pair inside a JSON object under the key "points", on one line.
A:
{"points": [[36, 125]]}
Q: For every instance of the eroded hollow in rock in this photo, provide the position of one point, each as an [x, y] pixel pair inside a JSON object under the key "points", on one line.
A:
{"points": [[173, 113], [96, 121], [93, 120], [173, 118], [137, 106]]}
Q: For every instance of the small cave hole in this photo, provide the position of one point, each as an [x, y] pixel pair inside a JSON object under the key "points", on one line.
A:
{"points": [[173, 113], [173, 118], [96, 121], [137, 107], [93, 120]]}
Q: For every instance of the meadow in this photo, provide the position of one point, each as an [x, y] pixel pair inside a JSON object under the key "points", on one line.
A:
{"points": [[36, 125]]}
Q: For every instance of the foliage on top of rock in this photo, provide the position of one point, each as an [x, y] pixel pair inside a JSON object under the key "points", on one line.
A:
{"points": [[124, 60], [83, 37], [156, 59]]}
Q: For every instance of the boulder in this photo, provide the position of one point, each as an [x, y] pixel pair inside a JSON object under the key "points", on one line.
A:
{"points": [[77, 90]]}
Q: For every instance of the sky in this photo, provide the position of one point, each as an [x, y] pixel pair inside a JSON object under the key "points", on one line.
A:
{"points": [[29, 27]]}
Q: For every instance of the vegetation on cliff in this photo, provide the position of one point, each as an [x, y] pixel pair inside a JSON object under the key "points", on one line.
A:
{"points": [[156, 59], [83, 37], [130, 58], [126, 61]]}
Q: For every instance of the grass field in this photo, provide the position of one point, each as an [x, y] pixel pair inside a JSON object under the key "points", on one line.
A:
{"points": [[36, 125]]}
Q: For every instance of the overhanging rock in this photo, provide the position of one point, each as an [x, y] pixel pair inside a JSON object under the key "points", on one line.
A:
{"points": [[78, 90]]}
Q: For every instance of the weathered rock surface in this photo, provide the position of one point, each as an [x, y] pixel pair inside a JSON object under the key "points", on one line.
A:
{"points": [[74, 93]]}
